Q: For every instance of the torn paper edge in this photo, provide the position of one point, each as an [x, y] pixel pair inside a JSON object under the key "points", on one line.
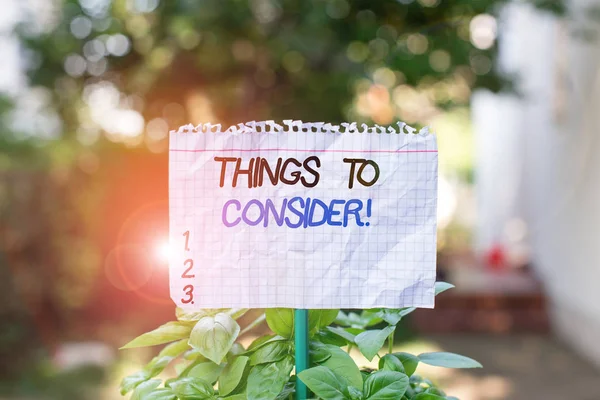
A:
{"points": [[271, 126]]}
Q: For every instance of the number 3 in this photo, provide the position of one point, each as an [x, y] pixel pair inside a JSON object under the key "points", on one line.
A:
{"points": [[189, 292]]}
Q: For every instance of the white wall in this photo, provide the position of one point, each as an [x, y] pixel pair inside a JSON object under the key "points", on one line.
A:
{"points": [[553, 136]]}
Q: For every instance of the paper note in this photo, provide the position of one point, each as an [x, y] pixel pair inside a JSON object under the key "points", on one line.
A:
{"points": [[302, 215]]}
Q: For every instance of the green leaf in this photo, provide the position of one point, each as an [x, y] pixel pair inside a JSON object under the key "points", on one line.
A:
{"points": [[259, 344], [288, 390], [371, 318], [448, 360], [343, 333], [157, 365], [323, 383], [390, 362], [354, 393], [197, 315], [175, 349], [166, 355], [281, 321], [370, 342], [236, 350], [193, 354], [318, 353], [409, 361], [239, 396], [342, 319], [182, 366], [266, 381], [341, 364], [436, 391], [385, 385], [190, 388], [270, 352], [365, 319], [428, 396], [326, 337], [166, 333], [132, 381], [318, 319], [207, 371], [261, 340], [354, 331], [144, 388], [232, 374], [351, 319], [214, 336], [327, 317], [441, 287], [161, 394], [392, 316]]}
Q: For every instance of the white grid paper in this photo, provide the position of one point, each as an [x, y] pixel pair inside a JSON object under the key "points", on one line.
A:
{"points": [[390, 263]]}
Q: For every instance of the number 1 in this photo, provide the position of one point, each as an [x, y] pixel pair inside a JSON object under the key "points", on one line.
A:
{"points": [[187, 240]]}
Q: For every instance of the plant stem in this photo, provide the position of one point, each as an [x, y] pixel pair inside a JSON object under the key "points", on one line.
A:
{"points": [[301, 350], [254, 324], [350, 347], [391, 343]]}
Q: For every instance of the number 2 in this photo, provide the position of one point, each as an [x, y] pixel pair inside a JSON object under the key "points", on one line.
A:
{"points": [[189, 292], [186, 274]]}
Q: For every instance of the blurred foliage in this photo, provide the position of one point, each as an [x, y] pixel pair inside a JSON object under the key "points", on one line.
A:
{"points": [[48, 263], [167, 63], [80, 383], [555, 6], [258, 59]]}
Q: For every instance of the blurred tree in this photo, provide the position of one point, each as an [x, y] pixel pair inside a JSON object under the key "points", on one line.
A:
{"points": [[234, 60]]}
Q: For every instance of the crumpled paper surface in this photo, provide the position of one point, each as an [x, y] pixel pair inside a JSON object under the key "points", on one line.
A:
{"points": [[285, 243]]}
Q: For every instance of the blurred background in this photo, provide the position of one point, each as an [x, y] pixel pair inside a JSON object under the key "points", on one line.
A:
{"points": [[90, 88]]}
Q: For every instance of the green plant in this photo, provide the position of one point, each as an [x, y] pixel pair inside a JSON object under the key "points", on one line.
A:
{"points": [[213, 366]]}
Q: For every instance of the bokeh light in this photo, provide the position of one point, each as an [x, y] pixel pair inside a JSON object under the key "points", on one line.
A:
{"points": [[417, 43], [483, 28], [338, 9], [105, 108], [75, 65], [81, 27], [440, 60], [118, 45], [357, 52]]}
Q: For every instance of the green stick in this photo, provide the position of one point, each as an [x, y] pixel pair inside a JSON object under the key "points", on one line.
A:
{"points": [[301, 349]]}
